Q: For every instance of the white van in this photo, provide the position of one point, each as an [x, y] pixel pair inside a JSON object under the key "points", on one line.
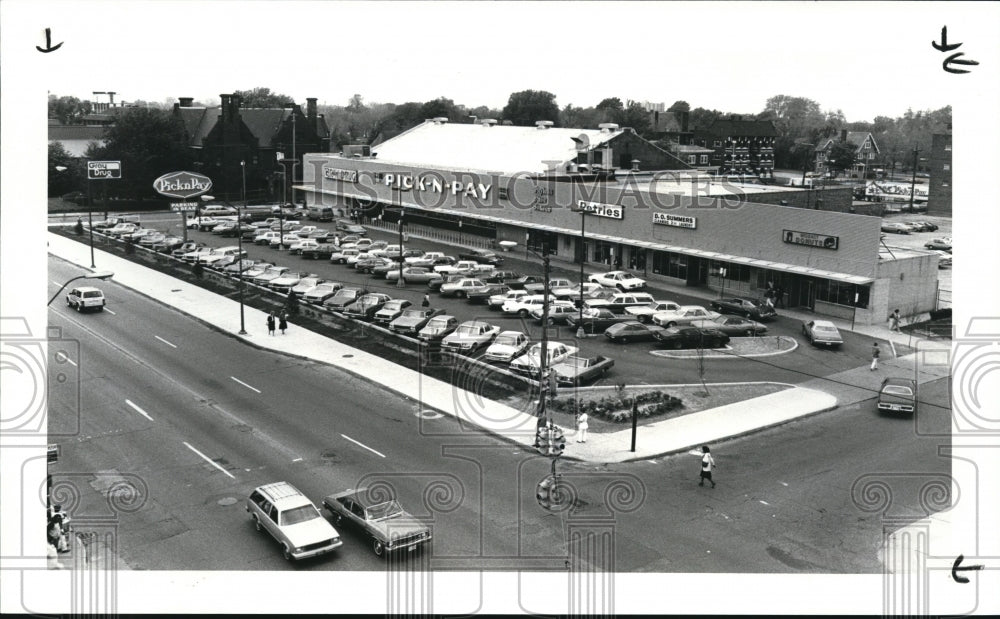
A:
{"points": [[84, 298]]}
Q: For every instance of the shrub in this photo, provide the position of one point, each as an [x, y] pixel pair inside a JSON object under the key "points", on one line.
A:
{"points": [[618, 409]]}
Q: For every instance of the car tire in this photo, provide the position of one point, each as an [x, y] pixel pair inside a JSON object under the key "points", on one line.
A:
{"points": [[750, 333], [523, 313], [671, 324], [551, 322], [256, 522], [677, 345], [460, 295], [378, 547]]}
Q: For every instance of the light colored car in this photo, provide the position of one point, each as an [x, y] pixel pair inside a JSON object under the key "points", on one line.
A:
{"points": [[461, 288], [644, 313], [619, 301], [507, 346], [286, 281], [136, 235], [256, 270], [269, 275], [733, 326], [426, 260], [417, 275], [292, 519], [437, 328], [347, 255], [219, 253], [306, 284], [684, 315], [470, 336], [822, 333], [413, 319], [385, 523], [895, 227], [392, 310], [497, 301], [321, 292], [195, 256], [298, 246], [942, 243], [85, 298], [265, 237], [944, 259], [522, 307], [149, 240], [622, 280], [529, 362], [122, 228], [559, 311], [573, 292]]}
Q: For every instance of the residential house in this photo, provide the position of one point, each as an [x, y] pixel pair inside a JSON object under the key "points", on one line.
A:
{"points": [[866, 149], [740, 146]]}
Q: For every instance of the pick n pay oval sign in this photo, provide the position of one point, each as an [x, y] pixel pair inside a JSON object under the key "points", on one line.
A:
{"points": [[182, 184]]}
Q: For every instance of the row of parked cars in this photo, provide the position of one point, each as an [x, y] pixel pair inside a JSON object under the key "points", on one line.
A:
{"points": [[906, 227]]}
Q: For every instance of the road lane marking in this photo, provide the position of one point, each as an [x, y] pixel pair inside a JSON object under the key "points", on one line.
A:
{"points": [[244, 384], [110, 312], [138, 410], [297, 460], [61, 356], [209, 460], [363, 445], [54, 283], [763, 502], [165, 341]]}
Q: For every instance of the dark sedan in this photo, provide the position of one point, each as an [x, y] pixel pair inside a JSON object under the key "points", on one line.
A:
{"points": [[758, 309], [484, 256], [596, 320], [413, 320], [692, 337], [343, 298], [733, 326], [366, 306], [632, 331]]}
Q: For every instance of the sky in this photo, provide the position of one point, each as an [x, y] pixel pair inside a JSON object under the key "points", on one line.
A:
{"points": [[866, 59], [726, 56]]}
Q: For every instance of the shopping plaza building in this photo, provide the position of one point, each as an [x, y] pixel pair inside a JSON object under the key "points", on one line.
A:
{"points": [[582, 194]]}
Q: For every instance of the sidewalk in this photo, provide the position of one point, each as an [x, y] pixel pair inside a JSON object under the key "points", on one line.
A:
{"points": [[669, 436]]}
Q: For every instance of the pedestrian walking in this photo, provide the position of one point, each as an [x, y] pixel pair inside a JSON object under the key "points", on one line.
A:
{"points": [[707, 465], [779, 295], [581, 427], [270, 323], [894, 319], [427, 301], [283, 322], [875, 354]]}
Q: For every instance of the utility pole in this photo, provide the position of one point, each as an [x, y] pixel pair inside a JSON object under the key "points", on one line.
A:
{"points": [[543, 361], [913, 179]]}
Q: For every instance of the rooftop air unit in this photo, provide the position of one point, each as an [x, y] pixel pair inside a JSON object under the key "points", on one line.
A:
{"points": [[607, 127], [543, 124], [488, 122]]}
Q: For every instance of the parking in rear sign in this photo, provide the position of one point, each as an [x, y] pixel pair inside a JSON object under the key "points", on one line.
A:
{"points": [[104, 169]]}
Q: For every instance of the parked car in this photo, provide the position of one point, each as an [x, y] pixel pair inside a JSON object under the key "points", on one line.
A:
{"points": [[461, 288], [301, 245], [481, 255], [944, 259], [482, 295], [306, 284], [256, 270], [365, 306], [387, 526], [423, 258], [413, 320], [632, 331], [898, 395], [85, 298], [559, 311], [895, 227], [928, 226], [412, 275], [167, 244], [522, 307], [437, 328], [528, 363], [321, 292], [504, 277], [573, 293], [136, 235], [554, 284], [644, 313], [269, 275], [495, 302], [342, 298], [622, 280], [691, 337], [368, 263], [436, 283], [265, 237], [287, 281], [470, 336], [218, 253], [597, 319], [507, 346], [238, 267], [576, 371], [122, 228], [733, 326], [758, 309], [345, 256], [151, 239], [822, 333], [186, 248], [392, 310], [683, 316], [468, 268], [293, 521], [921, 226], [225, 228], [619, 301], [195, 256], [943, 243]]}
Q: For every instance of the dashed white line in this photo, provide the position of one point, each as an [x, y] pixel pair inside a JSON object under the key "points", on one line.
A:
{"points": [[110, 312], [244, 384], [297, 460], [54, 283], [209, 460], [763, 502], [165, 341], [363, 445], [61, 356], [138, 410]]}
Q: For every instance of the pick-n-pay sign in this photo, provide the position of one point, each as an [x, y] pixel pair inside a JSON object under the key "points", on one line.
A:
{"points": [[182, 184], [104, 169]]}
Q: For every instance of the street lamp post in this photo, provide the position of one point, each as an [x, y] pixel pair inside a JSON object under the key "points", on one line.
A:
{"points": [[583, 256], [94, 275], [400, 283], [239, 235]]}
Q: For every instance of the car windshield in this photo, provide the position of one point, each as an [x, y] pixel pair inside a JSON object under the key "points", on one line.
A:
{"points": [[437, 323], [298, 514], [393, 305], [91, 294], [346, 293], [897, 390], [507, 340], [467, 330], [826, 328], [385, 511], [414, 313]]}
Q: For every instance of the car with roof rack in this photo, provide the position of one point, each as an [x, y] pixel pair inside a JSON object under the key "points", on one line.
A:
{"points": [[292, 520]]}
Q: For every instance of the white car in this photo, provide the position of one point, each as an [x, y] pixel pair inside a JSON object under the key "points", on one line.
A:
{"points": [[426, 260], [321, 292], [219, 253], [644, 313], [264, 238], [195, 256], [298, 246], [573, 292], [523, 306], [684, 315], [528, 363], [344, 256], [285, 282], [84, 298], [292, 520], [470, 336], [621, 280], [269, 275], [496, 301], [507, 346]]}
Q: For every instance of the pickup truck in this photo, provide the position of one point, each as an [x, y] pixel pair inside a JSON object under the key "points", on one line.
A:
{"points": [[574, 371]]}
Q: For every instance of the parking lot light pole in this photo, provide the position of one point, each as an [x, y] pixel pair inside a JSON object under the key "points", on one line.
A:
{"points": [[583, 255], [95, 275], [239, 235], [400, 283]]}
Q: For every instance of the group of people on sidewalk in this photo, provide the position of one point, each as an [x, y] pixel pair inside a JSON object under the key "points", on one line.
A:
{"points": [[281, 319], [58, 529]]}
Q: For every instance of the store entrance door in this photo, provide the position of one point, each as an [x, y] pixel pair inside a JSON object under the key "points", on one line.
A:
{"points": [[801, 293]]}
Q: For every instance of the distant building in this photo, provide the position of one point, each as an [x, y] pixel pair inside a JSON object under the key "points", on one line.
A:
{"points": [[866, 149], [76, 138], [740, 146], [939, 198]]}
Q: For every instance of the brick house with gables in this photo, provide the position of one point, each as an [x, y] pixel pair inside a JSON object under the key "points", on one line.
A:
{"points": [[220, 138], [866, 149], [740, 146]]}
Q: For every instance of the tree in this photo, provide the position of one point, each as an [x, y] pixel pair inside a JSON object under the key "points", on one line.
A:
{"points": [[679, 106], [263, 98], [634, 116], [69, 110], [842, 156], [525, 107], [443, 107], [356, 103], [70, 177], [149, 143], [613, 104], [580, 117], [702, 118]]}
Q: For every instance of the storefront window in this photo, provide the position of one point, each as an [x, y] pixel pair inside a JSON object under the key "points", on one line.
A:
{"points": [[537, 239], [670, 264], [840, 293]]}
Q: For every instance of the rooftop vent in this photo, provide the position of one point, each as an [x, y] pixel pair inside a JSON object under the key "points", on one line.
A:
{"points": [[543, 124], [607, 127], [488, 122], [440, 120]]}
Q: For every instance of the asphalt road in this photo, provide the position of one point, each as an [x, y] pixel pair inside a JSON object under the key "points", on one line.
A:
{"points": [[198, 419], [633, 363]]}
